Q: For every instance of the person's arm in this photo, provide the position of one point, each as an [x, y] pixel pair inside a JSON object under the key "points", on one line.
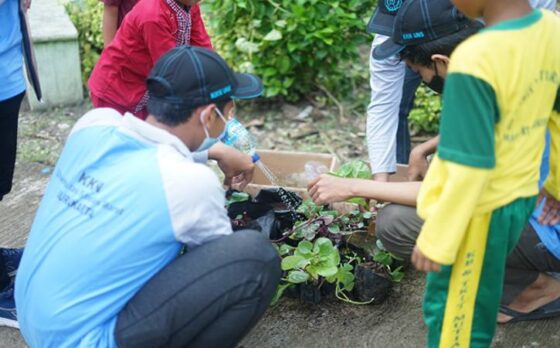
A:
{"points": [[449, 211], [237, 166], [199, 35], [110, 21], [159, 38], [386, 80], [418, 162], [551, 191], [328, 189], [459, 173]]}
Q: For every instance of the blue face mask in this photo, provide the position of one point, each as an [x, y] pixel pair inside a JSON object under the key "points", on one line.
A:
{"points": [[209, 141]]}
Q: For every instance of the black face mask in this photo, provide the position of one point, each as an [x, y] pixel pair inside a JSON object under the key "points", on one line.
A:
{"points": [[437, 82]]}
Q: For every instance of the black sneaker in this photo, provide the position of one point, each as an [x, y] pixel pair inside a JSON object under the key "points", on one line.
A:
{"points": [[12, 257], [8, 315]]}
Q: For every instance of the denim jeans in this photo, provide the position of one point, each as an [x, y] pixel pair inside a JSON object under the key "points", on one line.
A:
{"points": [[411, 82]]}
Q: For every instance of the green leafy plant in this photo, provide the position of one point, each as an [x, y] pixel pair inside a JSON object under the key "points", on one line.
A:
{"points": [[298, 46], [424, 118], [315, 262], [87, 16], [387, 259]]}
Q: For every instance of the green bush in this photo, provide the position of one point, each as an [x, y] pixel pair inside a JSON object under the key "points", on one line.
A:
{"points": [[87, 16], [296, 46], [424, 118]]}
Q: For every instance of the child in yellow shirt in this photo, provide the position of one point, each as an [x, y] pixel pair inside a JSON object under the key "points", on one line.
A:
{"points": [[501, 93]]}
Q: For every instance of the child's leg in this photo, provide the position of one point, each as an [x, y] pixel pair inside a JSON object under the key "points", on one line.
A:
{"points": [[461, 302]]}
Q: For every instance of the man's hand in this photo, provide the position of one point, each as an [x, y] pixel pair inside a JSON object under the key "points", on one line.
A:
{"points": [[237, 166], [422, 263], [327, 189], [417, 164], [550, 214]]}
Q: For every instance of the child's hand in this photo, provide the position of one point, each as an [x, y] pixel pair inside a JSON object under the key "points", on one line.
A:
{"points": [[422, 263], [550, 214], [327, 189]]}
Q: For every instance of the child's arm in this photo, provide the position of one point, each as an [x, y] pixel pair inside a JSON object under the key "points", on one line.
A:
{"points": [[199, 35], [331, 189], [110, 21], [551, 191], [418, 161], [447, 213], [460, 171]]}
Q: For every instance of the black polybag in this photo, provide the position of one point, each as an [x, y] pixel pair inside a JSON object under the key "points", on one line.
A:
{"points": [[262, 214]]}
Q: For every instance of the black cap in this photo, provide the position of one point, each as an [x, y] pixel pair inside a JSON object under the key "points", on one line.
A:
{"points": [[194, 76], [384, 16], [421, 21]]}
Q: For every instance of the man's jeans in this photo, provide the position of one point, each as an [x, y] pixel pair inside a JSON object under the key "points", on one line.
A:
{"points": [[411, 82]]}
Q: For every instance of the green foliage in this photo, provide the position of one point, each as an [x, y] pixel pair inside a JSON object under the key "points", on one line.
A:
{"points": [[354, 169], [313, 262], [295, 46], [237, 197], [424, 118], [316, 258], [87, 16], [387, 259]]}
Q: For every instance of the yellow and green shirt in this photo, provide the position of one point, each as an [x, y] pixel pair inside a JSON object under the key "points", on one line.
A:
{"points": [[501, 93]]}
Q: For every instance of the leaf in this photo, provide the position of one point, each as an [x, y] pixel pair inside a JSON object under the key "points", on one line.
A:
{"points": [[273, 35], [354, 169], [332, 213], [359, 201], [323, 246], [383, 257], [367, 215], [243, 45], [304, 247], [285, 249], [279, 292], [334, 229], [309, 209], [239, 197], [310, 231], [345, 277], [290, 262], [327, 271], [298, 277], [397, 275]]}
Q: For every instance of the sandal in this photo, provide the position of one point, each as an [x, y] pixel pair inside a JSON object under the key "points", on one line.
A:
{"points": [[550, 310]]}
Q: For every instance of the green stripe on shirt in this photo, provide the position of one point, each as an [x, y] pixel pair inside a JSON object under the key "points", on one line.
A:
{"points": [[469, 115]]}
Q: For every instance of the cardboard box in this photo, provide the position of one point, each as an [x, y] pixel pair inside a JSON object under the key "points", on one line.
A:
{"points": [[283, 164]]}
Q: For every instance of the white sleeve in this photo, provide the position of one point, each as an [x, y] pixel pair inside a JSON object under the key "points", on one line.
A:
{"points": [[195, 199], [546, 4], [386, 79]]}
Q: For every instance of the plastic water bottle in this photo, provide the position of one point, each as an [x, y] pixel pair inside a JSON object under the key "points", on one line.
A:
{"points": [[237, 136]]}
